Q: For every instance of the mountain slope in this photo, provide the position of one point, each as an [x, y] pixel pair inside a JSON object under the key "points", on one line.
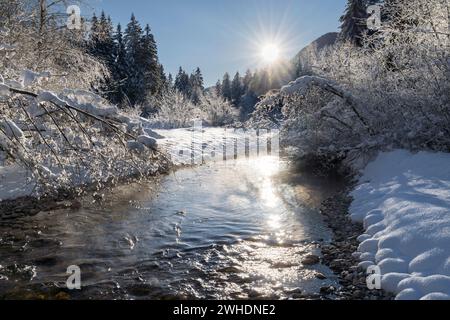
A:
{"points": [[304, 60]]}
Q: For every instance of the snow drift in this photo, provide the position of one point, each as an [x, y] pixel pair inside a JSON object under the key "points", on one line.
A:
{"points": [[404, 202]]}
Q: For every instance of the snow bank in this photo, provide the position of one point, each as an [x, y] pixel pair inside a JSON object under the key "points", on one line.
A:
{"points": [[404, 202], [50, 97]]}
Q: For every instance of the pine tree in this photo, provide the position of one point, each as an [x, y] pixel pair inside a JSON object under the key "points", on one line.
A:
{"points": [[166, 82], [226, 87], [354, 22], [236, 89], [199, 78], [120, 69], [246, 81], [149, 63], [135, 86], [218, 88], [182, 82], [265, 83], [94, 35], [101, 39], [196, 86]]}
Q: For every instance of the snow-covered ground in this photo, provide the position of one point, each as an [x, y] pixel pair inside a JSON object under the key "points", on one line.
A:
{"points": [[404, 201]]}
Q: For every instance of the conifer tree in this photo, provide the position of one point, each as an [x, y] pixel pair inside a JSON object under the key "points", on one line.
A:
{"points": [[166, 82], [120, 68], [236, 89], [226, 87], [354, 22], [170, 80], [150, 64], [182, 82], [196, 86], [246, 81], [135, 86], [218, 88]]}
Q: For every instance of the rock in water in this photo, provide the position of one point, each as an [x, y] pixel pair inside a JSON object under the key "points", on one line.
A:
{"points": [[320, 276], [310, 260]]}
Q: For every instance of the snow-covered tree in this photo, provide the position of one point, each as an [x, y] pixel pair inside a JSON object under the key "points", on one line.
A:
{"points": [[175, 110], [216, 110], [360, 104]]}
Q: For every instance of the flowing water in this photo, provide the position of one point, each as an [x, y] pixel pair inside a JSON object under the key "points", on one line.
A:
{"points": [[232, 230]]}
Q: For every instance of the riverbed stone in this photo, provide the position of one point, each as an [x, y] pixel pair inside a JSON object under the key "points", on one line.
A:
{"points": [[310, 260], [320, 276], [339, 254]]}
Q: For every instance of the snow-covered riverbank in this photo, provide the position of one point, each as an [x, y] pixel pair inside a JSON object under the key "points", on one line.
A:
{"points": [[403, 199]]}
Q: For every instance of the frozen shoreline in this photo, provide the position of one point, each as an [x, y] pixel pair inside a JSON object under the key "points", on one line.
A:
{"points": [[403, 199]]}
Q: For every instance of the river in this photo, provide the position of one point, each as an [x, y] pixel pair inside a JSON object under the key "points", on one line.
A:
{"points": [[232, 230]]}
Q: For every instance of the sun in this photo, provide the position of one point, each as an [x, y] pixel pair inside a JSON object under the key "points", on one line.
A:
{"points": [[270, 53]]}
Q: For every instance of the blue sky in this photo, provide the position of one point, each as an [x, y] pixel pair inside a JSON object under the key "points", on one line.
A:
{"points": [[225, 35]]}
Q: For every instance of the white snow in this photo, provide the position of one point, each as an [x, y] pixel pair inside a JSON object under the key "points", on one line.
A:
{"points": [[90, 102], [403, 199], [13, 84], [6, 47], [11, 129], [50, 97], [29, 77], [301, 85]]}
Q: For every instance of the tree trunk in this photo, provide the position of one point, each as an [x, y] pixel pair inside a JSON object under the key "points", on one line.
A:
{"points": [[42, 23]]}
